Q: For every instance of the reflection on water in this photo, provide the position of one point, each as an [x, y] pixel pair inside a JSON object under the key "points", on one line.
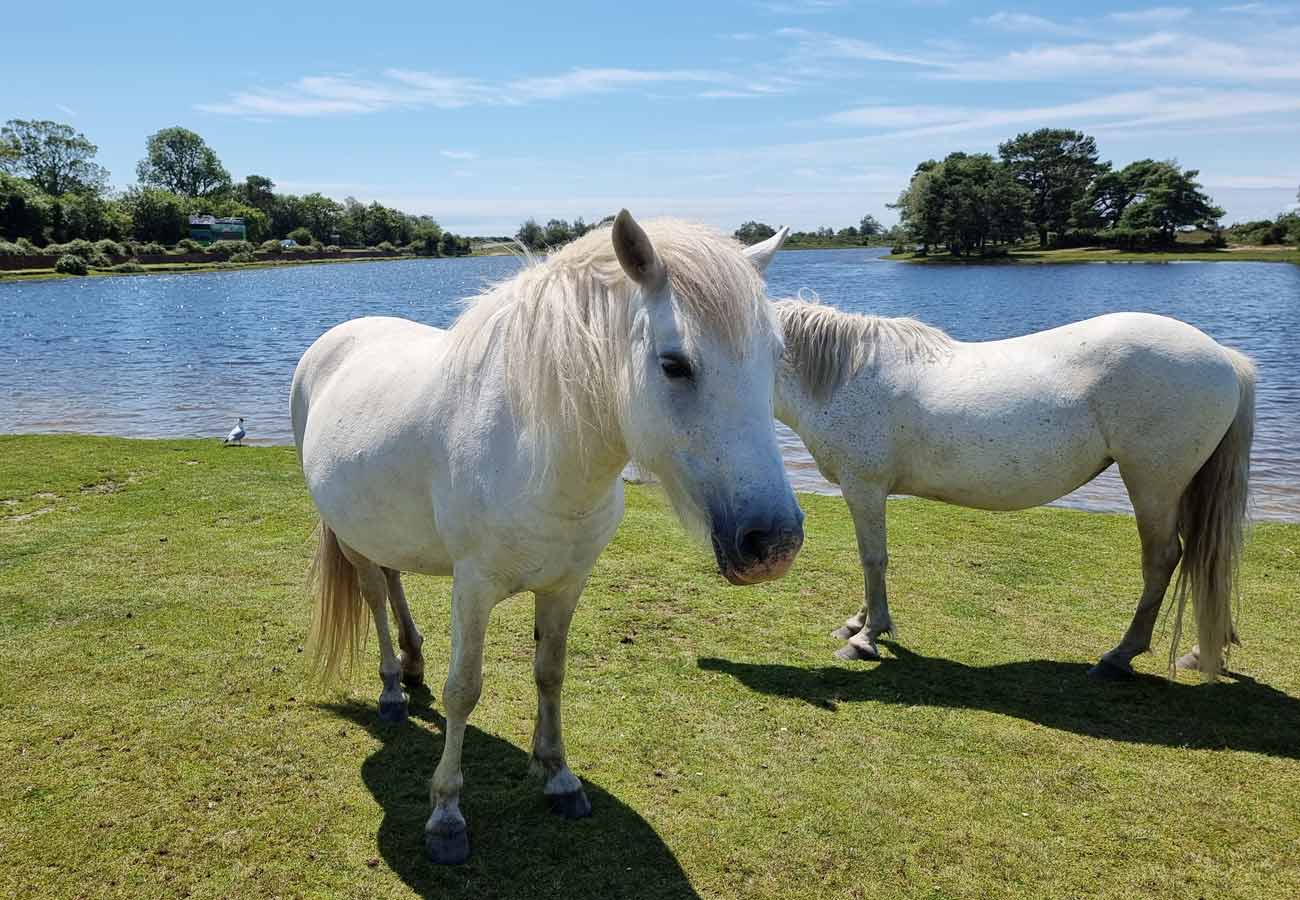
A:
{"points": [[184, 355]]}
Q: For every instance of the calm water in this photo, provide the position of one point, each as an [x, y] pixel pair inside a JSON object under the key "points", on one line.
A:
{"points": [[184, 355]]}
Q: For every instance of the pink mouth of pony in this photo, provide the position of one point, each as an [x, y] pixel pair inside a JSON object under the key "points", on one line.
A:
{"points": [[768, 570]]}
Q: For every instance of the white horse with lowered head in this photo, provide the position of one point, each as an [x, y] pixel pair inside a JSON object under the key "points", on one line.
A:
{"points": [[897, 406], [491, 452]]}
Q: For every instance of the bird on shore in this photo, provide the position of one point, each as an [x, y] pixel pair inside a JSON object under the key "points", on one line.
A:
{"points": [[237, 433]]}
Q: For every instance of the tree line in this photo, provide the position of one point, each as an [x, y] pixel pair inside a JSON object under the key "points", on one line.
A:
{"points": [[53, 191], [1051, 184]]}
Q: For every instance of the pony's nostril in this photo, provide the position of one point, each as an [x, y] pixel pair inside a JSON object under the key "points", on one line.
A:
{"points": [[753, 545]]}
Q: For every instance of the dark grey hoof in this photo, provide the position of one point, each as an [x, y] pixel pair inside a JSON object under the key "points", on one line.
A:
{"points": [[854, 653], [573, 805], [447, 849], [844, 632], [1105, 670], [393, 712]]}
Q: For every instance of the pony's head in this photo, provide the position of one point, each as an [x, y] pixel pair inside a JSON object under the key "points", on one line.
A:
{"points": [[697, 412]]}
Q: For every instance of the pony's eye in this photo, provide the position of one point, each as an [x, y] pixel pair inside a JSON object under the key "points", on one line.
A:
{"points": [[675, 366]]}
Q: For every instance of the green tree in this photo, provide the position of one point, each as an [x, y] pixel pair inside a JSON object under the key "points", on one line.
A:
{"points": [[753, 232], [180, 161], [56, 158], [531, 235], [453, 245], [24, 210], [257, 191], [428, 239], [156, 215], [91, 217], [1171, 199], [869, 226], [557, 233], [320, 215], [967, 203], [1056, 166]]}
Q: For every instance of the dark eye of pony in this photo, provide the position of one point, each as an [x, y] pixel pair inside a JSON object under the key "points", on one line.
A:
{"points": [[676, 366]]}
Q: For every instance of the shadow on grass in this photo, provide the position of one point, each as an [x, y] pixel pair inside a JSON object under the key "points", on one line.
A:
{"points": [[1236, 714], [517, 847]]}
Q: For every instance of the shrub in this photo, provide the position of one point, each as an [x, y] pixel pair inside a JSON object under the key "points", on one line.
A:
{"points": [[189, 245], [229, 248], [301, 235], [271, 246], [333, 248], [109, 247], [71, 264], [99, 260], [8, 249], [130, 266], [28, 246], [243, 256], [153, 247], [385, 246]]}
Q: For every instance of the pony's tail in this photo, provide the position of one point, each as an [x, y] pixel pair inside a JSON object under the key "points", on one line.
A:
{"points": [[1211, 520], [337, 618]]}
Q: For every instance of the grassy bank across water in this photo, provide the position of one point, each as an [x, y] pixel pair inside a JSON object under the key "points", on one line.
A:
{"points": [[1098, 255], [158, 738]]}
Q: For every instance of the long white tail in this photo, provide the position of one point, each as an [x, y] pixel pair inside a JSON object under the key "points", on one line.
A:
{"points": [[1211, 520], [338, 614]]}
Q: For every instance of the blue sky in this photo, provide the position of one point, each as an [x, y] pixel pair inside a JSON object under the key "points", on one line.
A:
{"points": [[802, 112]]}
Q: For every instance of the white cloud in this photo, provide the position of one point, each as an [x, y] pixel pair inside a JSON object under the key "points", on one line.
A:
{"points": [[459, 154], [819, 46], [1154, 15], [1026, 23], [801, 7], [324, 95]]}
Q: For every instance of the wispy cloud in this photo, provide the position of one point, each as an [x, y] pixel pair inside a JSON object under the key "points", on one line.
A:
{"points": [[800, 7], [66, 110], [325, 95], [459, 154], [1154, 15], [1027, 23], [820, 46]]}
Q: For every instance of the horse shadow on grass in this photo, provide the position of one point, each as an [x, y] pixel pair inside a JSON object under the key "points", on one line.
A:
{"points": [[1238, 713], [517, 847]]}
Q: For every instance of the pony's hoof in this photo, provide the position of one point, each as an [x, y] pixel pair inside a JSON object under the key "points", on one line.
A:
{"points": [[570, 805], [856, 653], [394, 712], [413, 679], [450, 849], [1189, 662], [844, 632], [1105, 670]]}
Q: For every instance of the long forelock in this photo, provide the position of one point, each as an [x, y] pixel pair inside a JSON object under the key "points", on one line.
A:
{"points": [[564, 323], [827, 346]]}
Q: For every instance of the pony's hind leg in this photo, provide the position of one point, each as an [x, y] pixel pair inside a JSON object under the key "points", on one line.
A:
{"points": [[409, 639], [374, 588], [867, 505], [563, 790], [1156, 511]]}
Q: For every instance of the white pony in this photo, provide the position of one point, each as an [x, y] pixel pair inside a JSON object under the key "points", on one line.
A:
{"points": [[897, 406], [492, 451]]}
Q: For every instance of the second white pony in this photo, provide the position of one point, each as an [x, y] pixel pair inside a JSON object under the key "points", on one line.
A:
{"points": [[897, 406]]}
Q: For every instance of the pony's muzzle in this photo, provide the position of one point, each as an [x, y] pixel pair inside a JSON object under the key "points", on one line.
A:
{"points": [[758, 552]]}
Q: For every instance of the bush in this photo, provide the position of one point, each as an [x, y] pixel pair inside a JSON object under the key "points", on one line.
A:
{"points": [[8, 249], [899, 248], [334, 249], [189, 245], [230, 248], [71, 264], [152, 247], [109, 247], [272, 246], [98, 260], [243, 256], [385, 246], [28, 246], [130, 266], [301, 235]]}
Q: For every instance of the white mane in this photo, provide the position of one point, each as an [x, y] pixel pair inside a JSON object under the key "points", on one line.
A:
{"points": [[564, 324], [827, 346]]}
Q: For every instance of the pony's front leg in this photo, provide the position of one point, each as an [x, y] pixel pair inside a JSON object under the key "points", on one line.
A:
{"points": [[445, 837], [867, 505], [563, 790]]}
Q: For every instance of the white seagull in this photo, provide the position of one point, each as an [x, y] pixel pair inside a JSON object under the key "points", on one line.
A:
{"points": [[237, 433]]}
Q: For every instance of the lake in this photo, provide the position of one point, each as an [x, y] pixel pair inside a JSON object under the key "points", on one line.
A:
{"points": [[183, 355]]}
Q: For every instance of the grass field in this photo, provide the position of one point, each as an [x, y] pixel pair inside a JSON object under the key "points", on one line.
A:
{"points": [[157, 737]]}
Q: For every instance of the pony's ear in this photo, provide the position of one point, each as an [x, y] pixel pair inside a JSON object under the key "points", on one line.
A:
{"points": [[761, 254], [636, 254]]}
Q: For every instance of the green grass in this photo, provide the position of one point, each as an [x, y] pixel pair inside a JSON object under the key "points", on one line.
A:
{"points": [[1097, 254], [187, 268], [158, 738]]}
